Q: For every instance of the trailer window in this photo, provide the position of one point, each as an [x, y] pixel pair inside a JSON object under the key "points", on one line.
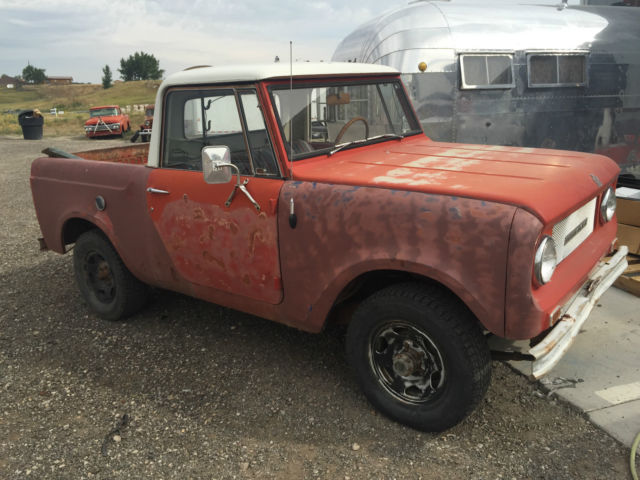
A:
{"points": [[557, 70], [486, 71]]}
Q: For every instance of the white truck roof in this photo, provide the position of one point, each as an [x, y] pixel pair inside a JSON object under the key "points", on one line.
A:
{"points": [[252, 73]]}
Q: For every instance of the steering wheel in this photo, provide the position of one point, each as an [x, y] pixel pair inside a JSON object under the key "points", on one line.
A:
{"points": [[344, 129]]}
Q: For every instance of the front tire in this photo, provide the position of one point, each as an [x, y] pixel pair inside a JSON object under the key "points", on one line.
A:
{"points": [[104, 281], [419, 356]]}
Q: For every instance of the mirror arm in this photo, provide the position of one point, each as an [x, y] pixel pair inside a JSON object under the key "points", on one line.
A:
{"points": [[237, 186], [246, 192]]}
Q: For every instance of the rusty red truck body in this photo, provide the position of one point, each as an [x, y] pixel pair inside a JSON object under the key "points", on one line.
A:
{"points": [[106, 121], [425, 248]]}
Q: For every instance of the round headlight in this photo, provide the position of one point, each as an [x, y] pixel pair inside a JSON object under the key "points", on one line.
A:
{"points": [[546, 260], [608, 205]]}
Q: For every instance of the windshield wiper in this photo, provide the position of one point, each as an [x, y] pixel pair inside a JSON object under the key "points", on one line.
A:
{"points": [[365, 140]]}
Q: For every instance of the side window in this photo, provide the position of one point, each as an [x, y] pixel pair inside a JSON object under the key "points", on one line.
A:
{"points": [[221, 116], [262, 156], [198, 118], [486, 71], [557, 70]]}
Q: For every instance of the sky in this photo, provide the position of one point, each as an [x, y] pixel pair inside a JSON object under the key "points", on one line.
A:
{"points": [[78, 38]]}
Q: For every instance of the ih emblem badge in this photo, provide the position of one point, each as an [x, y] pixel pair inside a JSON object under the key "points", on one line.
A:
{"points": [[596, 180]]}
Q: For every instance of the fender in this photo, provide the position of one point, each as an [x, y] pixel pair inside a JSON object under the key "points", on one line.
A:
{"points": [[344, 231]]}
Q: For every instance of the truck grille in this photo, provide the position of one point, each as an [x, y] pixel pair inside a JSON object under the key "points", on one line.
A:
{"points": [[102, 128], [570, 232]]}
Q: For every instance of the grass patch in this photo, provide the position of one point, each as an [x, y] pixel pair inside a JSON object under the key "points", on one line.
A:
{"points": [[75, 100]]}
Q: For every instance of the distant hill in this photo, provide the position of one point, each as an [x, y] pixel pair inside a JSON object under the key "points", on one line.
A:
{"points": [[74, 100]]}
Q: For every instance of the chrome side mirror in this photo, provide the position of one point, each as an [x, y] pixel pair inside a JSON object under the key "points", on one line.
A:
{"points": [[216, 164], [217, 168]]}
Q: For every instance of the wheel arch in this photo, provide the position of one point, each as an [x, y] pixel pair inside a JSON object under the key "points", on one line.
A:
{"points": [[365, 283], [74, 226]]}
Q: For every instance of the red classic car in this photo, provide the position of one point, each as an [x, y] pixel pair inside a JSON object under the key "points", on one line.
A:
{"points": [[105, 121]]}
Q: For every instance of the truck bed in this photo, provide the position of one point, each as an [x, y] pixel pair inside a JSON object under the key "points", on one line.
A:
{"points": [[133, 154], [66, 190]]}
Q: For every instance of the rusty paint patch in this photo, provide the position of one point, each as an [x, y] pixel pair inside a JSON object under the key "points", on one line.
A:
{"points": [[229, 249], [193, 231], [457, 241]]}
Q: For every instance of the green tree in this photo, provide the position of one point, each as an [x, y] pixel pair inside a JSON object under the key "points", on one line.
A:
{"points": [[140, 66], [31, 74], [106, 77]]}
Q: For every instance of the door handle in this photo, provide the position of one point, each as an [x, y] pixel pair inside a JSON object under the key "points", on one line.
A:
{"points": [[155, 190]]}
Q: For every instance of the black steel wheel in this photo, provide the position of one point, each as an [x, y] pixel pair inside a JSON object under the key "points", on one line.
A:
{"points": [[104, 281], [406, 362], [419, 356]]}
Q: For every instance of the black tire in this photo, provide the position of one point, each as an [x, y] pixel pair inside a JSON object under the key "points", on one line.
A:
{"points": [[419, 355], [104, 281]]}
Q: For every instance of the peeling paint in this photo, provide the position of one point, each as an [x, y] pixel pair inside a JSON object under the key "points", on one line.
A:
{"points": [[458, 242], [455, 213], [524, 177], [454, 164], [230, 249]]}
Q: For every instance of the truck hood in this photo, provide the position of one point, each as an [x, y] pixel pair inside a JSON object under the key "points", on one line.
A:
{"points": [[105, 119], [548, 183]]}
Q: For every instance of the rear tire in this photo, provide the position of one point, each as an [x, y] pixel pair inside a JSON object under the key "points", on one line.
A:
{"points": [[104, 281], [419, 356]]}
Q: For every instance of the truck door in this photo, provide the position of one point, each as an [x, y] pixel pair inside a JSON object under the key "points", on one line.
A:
{"points": [[231, 248]]}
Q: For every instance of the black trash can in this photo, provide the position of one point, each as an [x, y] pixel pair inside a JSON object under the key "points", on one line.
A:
{"points": [[31, 125]]}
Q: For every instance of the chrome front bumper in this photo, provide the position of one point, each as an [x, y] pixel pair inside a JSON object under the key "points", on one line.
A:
{"points": [[551, 349]]}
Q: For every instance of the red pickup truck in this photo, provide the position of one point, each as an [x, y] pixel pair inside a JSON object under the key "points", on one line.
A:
{"points": [[106, 120], [427, 249]]}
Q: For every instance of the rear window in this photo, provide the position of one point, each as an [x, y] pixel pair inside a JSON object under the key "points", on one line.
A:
{"points": [[486, 71], [557, 70]]}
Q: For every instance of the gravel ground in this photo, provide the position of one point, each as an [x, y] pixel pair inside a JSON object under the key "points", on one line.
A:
{"points": [[186, 389]]}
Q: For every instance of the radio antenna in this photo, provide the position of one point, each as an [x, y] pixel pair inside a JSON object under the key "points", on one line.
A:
{"points": [[293, 219], [290, 109]]}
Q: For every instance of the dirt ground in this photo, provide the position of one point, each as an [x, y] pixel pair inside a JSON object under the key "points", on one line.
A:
{"points": [[186, 389]]}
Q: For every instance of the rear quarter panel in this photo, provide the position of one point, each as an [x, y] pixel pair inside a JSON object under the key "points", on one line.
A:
{"points": [[65, 189]]}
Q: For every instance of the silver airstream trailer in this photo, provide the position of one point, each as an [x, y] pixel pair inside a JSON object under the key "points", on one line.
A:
{"points": [[555, 76]]}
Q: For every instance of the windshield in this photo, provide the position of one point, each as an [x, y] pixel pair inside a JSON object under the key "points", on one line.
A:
{"points": [[317, 119], [103, 112]]}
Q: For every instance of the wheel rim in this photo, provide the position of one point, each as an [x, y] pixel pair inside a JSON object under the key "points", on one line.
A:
{"points": [[406, 362], [100, 277]]}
